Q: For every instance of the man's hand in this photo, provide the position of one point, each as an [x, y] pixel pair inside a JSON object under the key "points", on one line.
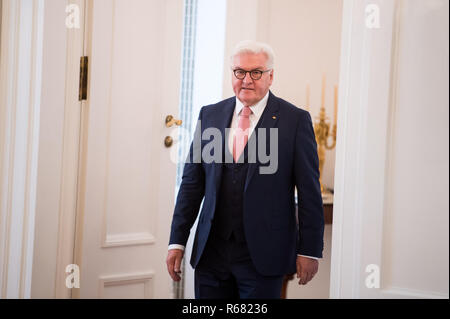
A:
{"points": [[173, 261], [306, 269]]}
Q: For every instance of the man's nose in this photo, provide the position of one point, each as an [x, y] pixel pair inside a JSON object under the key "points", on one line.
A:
{"points": [[247, 78]]}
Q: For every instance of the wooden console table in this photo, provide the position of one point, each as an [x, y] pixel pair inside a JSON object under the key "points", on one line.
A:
{"points": [[328, 213]]}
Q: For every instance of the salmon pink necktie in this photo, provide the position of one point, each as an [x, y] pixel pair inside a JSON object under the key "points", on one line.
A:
{"points": [[241, 135]]}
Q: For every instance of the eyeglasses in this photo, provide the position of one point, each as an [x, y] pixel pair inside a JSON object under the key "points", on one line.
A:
{"points": [[254, 74]]}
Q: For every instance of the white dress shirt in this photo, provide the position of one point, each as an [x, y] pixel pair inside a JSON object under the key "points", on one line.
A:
{"points": [[254, 117], [257, 111]]}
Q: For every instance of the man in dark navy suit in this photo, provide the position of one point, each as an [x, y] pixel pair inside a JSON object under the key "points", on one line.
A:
{"points": [[248, 235]]}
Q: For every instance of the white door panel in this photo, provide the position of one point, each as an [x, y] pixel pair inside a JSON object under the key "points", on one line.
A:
{"points": [[128, 180]]}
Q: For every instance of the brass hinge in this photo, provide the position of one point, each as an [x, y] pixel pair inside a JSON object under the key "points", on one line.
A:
{"points": [[82, 91]]}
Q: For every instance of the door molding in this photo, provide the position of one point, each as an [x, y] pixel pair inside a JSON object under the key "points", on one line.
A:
{"points": [[20, 90], [365, 107], [70, 171], [367, 113]]}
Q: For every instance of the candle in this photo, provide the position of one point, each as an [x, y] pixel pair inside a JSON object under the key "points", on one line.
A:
{"points": [[335, 103], [307, 97], [323, 91]]}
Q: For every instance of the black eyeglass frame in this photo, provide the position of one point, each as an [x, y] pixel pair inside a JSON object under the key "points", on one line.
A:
{"points": [[251, 76]]}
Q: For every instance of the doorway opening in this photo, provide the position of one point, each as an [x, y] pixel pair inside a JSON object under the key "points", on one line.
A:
{"points": [[201, 84]]}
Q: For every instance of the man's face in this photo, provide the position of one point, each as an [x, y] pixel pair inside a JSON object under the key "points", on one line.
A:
{"points": [[247, 90]]}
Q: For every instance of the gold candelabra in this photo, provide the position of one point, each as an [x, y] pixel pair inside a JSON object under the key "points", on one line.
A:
{"points": [[322, 131]]}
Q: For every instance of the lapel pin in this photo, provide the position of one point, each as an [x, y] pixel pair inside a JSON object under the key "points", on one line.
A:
{"points": [[274, 117]]}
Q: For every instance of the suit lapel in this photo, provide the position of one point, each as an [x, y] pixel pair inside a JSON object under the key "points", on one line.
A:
{"points": [[268, 120]]}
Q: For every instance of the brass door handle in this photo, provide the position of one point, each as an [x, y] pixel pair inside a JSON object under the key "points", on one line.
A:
{"points": [[170, 121], [168, 141]]}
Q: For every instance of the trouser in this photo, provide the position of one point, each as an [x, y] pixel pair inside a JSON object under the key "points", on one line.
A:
{"points": [[226, 270]]}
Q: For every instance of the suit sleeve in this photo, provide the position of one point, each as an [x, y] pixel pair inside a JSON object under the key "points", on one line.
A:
{"points": [[310, 207], [191, 192]]}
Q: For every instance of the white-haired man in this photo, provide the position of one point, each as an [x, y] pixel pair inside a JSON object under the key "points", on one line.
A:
{"points": [[248, 236]]}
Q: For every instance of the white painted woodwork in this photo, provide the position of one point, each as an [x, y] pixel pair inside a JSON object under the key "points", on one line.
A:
{"points": [[20, 89], [127, 179], [391, 190]]}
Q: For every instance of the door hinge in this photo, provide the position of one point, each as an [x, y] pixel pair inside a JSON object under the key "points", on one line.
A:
{"points": [[82, 91]]}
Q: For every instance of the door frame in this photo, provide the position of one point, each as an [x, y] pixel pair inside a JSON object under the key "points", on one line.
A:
{"points": [[70, 171], [365, 147], [20, 95], [367, 113], [366, 91]]}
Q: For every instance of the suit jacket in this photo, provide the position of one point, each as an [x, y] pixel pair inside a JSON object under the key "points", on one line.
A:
{"points": [[274, 234]]}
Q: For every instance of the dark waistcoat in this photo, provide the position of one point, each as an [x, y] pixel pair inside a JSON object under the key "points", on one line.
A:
{"points": [[228, 218]]}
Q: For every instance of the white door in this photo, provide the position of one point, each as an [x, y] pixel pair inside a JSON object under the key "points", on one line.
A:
{"points": [[390, 215], [127, 184]]}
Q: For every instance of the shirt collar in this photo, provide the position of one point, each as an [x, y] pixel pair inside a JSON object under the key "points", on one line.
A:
{"points": [[257, 109]]}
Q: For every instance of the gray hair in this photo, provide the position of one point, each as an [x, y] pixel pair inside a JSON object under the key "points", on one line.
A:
{"points": [[254, 47]]}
